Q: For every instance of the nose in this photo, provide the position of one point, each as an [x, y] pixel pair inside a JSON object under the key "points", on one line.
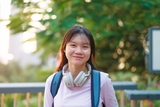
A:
{"points": [[79, 50]]}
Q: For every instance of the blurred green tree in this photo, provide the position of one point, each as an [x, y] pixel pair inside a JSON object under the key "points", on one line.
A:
{"points": [[118, 26]]}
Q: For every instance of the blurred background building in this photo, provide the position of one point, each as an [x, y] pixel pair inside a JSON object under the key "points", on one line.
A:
{"points": [[12, 47]]}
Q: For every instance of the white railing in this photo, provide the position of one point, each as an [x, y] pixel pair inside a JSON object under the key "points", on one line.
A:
{"points": [[28, 88], [24, 88]]}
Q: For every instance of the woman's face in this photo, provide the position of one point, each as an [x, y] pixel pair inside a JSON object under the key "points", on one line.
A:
{"points": [[78, 50]]}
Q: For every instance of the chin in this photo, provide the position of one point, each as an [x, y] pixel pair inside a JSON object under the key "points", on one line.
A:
{"points": [[78, 63]]}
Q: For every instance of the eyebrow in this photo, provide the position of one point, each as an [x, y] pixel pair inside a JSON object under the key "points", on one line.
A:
{"points": [[83, 43]]}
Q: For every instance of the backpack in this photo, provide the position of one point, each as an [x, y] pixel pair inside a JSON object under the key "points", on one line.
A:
{"points": [[95, 86]]}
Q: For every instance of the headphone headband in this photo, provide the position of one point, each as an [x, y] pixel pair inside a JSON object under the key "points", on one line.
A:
{"points": [[66, 66]]}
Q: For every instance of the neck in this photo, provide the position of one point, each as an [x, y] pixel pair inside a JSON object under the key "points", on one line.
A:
{"points": [[76, 69]]}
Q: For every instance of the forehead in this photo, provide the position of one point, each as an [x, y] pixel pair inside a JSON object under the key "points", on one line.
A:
{"points": [[80, 37]]}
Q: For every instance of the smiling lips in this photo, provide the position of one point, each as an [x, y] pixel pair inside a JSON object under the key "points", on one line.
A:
{"points": [[77, 57]]}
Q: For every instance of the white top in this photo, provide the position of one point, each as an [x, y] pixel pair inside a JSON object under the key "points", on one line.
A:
{"points": [[80, 96]]}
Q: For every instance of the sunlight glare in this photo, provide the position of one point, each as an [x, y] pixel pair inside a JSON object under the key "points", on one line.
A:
{"points": [[46, 16], [49, 9], [87, 1], [36, 17], [10, 57], [29, 46], [4, 31], [43, 5], [80, 19], [26, 1], [37, 25], [121, 65], [53, 16], [120, 23]]}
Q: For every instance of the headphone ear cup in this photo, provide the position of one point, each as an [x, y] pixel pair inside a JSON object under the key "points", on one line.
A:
{"points": [[80, 79], [69, 80]]}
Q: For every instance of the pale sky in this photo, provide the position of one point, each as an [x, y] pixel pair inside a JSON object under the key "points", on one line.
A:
{"points": [[4, 32], [28, 47], [25, 48]]}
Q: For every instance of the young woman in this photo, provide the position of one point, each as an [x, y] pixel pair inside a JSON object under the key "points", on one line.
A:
{"points": [[76, 54]]}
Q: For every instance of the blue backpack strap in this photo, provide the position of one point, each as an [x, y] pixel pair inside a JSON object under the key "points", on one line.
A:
{"points": [[95, 88], [55, 84]]}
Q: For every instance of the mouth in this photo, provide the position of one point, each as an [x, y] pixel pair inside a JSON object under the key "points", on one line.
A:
{"points": [[78, 57]]}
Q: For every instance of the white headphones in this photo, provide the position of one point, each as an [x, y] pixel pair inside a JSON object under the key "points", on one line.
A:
{"points": [[79, 80]]}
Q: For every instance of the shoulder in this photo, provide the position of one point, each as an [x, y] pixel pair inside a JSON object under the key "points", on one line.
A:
{"points": [[105, 78], [104, 74], [107, 91], [49, 79]]}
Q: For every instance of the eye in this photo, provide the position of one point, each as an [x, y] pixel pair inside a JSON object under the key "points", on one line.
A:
{"points": [[85, 46], [73, 45]]}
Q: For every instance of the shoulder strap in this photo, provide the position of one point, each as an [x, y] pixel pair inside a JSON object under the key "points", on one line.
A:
{"points": [[95, 87], [55, 84]]}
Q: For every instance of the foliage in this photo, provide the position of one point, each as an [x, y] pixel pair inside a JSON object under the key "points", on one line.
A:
{"points": [[13, 72], [118, 26], [119, 76], [153, 83], [147, 81], [9, 72], [21, 100]]}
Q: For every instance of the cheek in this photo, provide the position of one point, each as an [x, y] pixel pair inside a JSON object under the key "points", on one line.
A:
{"points": [[68, 51], [88, 53], [67, 54]]}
